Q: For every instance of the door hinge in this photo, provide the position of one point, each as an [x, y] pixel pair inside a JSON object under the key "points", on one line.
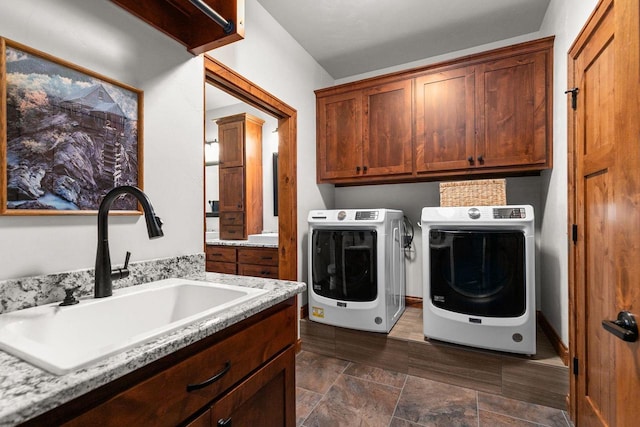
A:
{"points": [[575, 366], [574, 97], [574, 233]]}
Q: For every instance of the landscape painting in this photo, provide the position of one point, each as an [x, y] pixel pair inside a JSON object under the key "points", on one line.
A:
{"points": [[68, 136]]}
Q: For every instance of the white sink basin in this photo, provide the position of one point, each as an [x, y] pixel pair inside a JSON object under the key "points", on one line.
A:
{"points": [[268, 238], [63, 339]]}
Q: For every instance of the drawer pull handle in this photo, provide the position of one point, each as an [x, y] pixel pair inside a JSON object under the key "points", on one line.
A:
{"points": [[267, 257], [213, 379]]}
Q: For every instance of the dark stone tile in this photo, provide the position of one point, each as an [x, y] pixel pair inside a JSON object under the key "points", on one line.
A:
{"points": [[398, 422], [491, 419], [377, 375], [355, 402], [305, 402], [316, 373], [436, 404], [527, 411]]}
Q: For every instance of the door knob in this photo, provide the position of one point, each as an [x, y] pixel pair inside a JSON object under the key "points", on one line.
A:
{"points": [[624, 327]]}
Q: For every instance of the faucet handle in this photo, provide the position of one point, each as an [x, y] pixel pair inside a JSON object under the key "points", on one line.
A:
{"points": [[121, 273], [69, 299]]}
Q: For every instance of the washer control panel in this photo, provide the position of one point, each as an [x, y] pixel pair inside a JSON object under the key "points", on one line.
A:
{"points": [[366, 215]]}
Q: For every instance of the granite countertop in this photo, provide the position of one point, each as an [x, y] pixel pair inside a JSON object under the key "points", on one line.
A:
{"points": [[244, 243], [27, 391]]}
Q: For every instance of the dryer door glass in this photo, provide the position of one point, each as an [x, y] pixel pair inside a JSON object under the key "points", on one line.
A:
{"points": [[478, 272], [344, 264]]}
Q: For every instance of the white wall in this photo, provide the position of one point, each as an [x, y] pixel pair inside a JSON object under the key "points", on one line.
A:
{"points": [[104, 38], [564, 19], [272, 59]]}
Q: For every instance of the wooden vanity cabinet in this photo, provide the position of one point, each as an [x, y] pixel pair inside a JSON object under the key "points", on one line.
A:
{"points": [[485, 114], [243, 372], [258, 262], [240, 174], [241, 260]]}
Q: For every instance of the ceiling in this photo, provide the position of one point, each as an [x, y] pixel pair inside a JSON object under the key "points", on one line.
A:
{"points": [[356, 36]]}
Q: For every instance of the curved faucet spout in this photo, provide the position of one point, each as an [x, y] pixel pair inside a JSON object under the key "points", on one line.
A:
{"points": [[103, 273]]}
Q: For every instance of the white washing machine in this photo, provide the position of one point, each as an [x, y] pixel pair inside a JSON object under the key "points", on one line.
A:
{"points": [[479, 276], [356, 268]]}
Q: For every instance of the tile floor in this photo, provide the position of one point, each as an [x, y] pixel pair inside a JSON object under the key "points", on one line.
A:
{"points": [[331, 393]]}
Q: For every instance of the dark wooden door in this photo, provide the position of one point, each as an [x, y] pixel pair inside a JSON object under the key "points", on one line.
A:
{"points": [[445, 120], [387, 143], [266, 398], [231, 139], [604, 140], [512, 111], [339, 133], [231, 190]]}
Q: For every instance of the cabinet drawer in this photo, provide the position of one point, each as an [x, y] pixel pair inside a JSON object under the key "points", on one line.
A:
{"points": [[163, 399], [221, 267], [262, 256], [268, 271], [231, 218], [232, 232], [221, 254]]}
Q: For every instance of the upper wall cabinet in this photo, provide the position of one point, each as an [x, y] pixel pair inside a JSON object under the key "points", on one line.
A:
{"points": [[187, 24], [487, 114], [365, 133]]}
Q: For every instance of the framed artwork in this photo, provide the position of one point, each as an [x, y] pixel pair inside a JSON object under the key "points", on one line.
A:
{"points": [[67, 136]]}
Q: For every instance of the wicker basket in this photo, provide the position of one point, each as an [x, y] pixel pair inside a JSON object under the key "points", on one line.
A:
{"points": [[481, 192]]}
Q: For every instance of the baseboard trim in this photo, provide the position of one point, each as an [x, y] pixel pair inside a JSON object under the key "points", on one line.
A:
{"points": [[553, 337], [413, 302]]}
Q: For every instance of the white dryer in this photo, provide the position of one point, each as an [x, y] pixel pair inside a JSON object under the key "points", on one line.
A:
{"points": [[479, 276], [356, 268]]}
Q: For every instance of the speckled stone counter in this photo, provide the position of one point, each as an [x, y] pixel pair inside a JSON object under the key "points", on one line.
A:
{"points": [[243, 243], [27, 391]]}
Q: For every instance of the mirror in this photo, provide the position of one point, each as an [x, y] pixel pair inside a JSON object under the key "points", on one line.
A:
{"points": [[219, 104]]}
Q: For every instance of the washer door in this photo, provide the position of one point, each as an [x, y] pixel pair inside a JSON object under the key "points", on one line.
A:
{"points": [[478, 272], [344, 264]]}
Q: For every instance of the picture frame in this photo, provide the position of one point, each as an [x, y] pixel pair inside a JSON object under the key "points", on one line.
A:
{"points": [[68, 136]]}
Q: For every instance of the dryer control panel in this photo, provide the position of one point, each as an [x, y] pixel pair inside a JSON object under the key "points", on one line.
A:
{"points": [[509, 213]]}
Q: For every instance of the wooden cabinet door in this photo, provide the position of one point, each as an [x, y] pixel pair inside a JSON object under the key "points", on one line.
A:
{"points": [[387, 142], [604, 66], [512, 109], [445, 120], [266, 398], [231, 190], [231, 136], [339, 136]]}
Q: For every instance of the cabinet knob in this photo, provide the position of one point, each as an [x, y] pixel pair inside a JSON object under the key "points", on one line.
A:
{"points": [[480, 158], [470, 159], [364, 168], [357, 168]]}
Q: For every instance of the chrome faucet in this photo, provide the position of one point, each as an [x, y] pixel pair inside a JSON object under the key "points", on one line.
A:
{"points": [[103, 274]]}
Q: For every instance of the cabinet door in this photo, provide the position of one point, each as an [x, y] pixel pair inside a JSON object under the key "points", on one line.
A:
{"points": [[387, 132], [445, 120], [231, 190], [513, 111], [231, 136], [266, 398], [339, 136]]}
